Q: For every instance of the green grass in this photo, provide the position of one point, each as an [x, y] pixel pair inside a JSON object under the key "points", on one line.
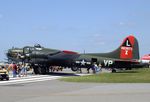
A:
{"points": [[133, 76]]}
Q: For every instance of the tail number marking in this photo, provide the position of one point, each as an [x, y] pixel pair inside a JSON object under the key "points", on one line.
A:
{"points": [[108, 62], [126, 52]]}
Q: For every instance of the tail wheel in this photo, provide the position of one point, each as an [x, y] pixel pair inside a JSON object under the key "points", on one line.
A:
{"points": [[113, 70]]}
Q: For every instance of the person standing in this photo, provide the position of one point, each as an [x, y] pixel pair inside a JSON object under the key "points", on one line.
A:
{"points": [[14, 69], [24, 70], [99, 68], [94, 68], [19, 70]]}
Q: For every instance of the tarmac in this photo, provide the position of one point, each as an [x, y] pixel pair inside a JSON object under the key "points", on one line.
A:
{"points": [[53, 90]]}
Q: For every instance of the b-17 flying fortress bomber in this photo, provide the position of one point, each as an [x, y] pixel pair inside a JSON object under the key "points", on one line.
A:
{"points": [[40, 58]]}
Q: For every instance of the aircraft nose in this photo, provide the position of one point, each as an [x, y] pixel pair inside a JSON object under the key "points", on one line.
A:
{"points": [[8, 53]]}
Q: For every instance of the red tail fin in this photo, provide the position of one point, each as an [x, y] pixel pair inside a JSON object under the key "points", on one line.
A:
{"points": [[127, 48]]}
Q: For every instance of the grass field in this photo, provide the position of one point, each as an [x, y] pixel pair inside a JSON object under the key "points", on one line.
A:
{"points": [[132, 76]]}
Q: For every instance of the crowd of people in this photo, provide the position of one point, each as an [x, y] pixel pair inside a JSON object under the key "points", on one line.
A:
{"points": [[96, 68], [19, 70]]}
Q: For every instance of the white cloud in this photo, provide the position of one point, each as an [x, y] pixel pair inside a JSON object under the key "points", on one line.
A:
{"points": [[127, 24]]}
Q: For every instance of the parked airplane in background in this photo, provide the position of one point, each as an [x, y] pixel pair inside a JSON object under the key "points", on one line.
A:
{"points": [[145, 60], [40, 58]]}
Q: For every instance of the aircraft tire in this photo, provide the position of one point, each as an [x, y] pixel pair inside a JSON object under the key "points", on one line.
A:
{"points": [[35, 69], [113, 70], [40, 69], [7, 78], [129, 68], [74, 69], [47, 69], [43, 70]]}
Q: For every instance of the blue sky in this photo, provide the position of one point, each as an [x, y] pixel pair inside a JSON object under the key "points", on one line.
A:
{"points": [[78, 25]]}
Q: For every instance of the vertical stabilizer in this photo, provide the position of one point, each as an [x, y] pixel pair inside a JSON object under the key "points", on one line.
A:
{"points": [[129, 48]]}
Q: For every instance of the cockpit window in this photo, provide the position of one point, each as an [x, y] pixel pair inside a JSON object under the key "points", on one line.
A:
{"points": [[26, 50]]}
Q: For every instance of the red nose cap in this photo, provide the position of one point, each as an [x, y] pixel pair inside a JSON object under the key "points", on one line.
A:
{"points": [[69, 52]]}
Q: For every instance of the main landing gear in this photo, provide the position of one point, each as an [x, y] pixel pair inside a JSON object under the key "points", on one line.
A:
{"points": [[114, 71], [40, 69]]}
